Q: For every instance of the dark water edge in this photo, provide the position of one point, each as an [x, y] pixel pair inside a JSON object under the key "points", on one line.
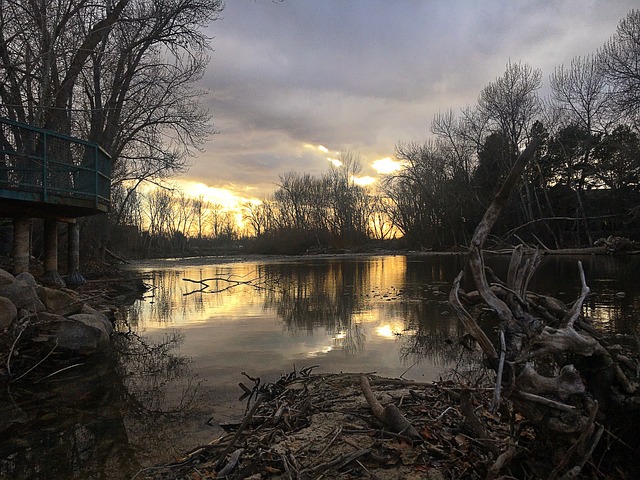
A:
{"points": [[151, 398]]}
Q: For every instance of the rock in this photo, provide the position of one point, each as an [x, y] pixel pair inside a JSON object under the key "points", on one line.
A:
{"points": [[8, 312], [97, 320], [22, 295], [59, 301], [6, 278], [81, 333], [79, 337], [27, 278]]}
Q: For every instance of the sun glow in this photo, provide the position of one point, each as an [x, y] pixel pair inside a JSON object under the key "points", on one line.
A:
{"points": [[363, 181], [221, 196], [385, 166]]}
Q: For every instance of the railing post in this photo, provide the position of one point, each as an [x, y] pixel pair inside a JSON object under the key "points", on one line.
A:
{"points": [[96, 151]]}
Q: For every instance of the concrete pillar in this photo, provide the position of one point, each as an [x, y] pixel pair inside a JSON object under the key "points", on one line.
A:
{"points": [[51, 275], [74, 277], [20, 251]]}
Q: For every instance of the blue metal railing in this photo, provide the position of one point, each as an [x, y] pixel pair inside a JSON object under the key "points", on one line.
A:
{"points": [[45, 166]]}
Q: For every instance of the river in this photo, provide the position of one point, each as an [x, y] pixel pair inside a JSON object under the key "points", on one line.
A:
{"points": [[181, 351]]}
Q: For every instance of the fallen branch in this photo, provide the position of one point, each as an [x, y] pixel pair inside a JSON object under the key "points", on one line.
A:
{"points": [[389, 415]]}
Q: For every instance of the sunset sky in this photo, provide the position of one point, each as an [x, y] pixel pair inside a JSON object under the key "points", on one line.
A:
{"points": [[292, 83]]}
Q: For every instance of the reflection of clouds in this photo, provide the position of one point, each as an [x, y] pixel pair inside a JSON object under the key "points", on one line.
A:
{"points": [[389, 331]]}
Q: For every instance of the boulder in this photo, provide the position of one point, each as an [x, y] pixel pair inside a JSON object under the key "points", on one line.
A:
{"points": [[59, 301], [27, 278], [81, 333], [78, 337], [6, 278], [22, 295], [8, 312], [97, 320]]}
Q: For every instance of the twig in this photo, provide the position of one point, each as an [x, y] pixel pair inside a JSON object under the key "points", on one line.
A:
{"points": [[333, 439], [59, 371], [338, 462], [470, 325], [37, 364], [546, 401], [496, 394], [474, 423], [414, 364], [504, 458], [13, 346], [233, 460], [243, 425], [439, 417]]}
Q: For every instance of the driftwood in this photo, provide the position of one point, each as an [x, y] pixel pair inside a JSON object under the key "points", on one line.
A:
{"points": [[327, 431], [583, 376], [389, 415]]}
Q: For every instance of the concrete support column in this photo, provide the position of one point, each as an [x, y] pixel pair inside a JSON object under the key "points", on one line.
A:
{"points": [[51, 275], [20, 252], [74, 277]]}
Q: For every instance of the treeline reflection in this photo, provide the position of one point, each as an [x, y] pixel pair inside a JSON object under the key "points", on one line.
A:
{"points": [[340, 297]]}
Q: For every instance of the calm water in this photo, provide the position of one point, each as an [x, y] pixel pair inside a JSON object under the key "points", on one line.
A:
{"points": [[182, 349]]}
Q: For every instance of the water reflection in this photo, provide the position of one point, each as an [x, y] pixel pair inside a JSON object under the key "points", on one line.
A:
{"points": [[354, 304], [361, 313], [104, 419]]}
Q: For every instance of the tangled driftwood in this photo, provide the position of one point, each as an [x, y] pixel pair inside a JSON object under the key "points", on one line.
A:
{"points": [[346, 426], [554, 368]]}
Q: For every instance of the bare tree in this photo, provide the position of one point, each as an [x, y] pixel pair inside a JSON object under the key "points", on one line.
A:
{"points": [[511, 103], [256, 214], [214, 219], [580, 92], [119, 73], [620, 59]]}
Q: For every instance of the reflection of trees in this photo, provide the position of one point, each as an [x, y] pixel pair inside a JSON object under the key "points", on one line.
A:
{"points": [[69, 427], [95, 421], [354, 340], [311, 296], [328, 294], [432, 336], [168, 297]]}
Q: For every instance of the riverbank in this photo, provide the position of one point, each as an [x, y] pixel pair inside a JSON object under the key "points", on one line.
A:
{"points": [[346, 426], [46, 329], [324, 426]]}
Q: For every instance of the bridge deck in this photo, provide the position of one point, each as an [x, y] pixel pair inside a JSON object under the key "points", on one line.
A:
{"points": [[46, 174]]}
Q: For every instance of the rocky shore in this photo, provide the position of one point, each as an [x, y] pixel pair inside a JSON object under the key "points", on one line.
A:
{"points": [[40, 326]]}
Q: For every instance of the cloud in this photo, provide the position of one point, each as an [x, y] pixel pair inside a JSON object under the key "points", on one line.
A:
{"points": [[364, 75]]}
